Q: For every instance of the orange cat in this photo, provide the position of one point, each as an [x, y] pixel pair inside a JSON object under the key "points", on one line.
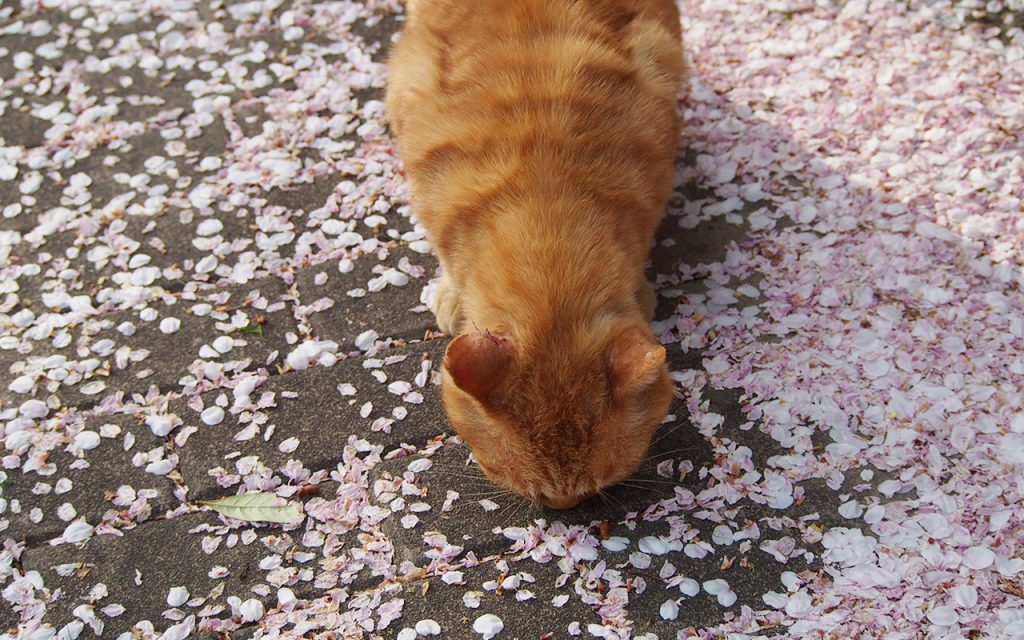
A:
{"points": [[539, 139]]}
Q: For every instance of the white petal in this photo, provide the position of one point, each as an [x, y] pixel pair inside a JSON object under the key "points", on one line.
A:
{"points": [[727, 598], [161, 425], [212, 415], [799, 605], [965, 595], [452, 577], [716, 586], [615, 543], [689, 587], [78, 531], [251, 610], [366, 339], [223, 344], [33, 409], [181, 630], [943, 616], [669, 610], [722, 535], [177, 596], [428, 627], [170, 325], [653, 545], [87, 440], [979, 557], [488, 625]]}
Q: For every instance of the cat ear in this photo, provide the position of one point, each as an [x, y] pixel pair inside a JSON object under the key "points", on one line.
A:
{"points": [[478, 362], [636, 360]]}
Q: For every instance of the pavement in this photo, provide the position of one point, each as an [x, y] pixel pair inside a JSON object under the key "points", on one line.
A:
{"points": [[211, 283]]}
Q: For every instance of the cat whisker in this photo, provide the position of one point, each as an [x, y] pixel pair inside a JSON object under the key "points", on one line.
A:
{"points": [[638, 486], [457, 508], [469, 486], [438, 463], [672, 483], [486, 494], [474, 482], [470, 499], [518, 507], [533, 512], [646, 486], [669, 452], [457, 475], [666, 434], [457, 467], [609, 499], [606, 499]]}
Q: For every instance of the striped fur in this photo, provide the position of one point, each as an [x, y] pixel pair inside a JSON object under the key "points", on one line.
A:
{"points": [[539, 139]]}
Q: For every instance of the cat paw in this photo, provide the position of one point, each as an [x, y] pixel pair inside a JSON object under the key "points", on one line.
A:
{"points": [[446, 307], [646, 298]]}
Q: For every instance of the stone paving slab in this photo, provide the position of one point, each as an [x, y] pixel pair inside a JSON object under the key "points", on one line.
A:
{"points": [[310, 419], [130, 351], [525, 610], [394, 309], [753, 564], [107, 483], [472, 524], [139, 568]]}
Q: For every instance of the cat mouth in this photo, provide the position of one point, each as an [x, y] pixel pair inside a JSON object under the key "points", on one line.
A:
{"points": [[562, 503], [551, 501]]}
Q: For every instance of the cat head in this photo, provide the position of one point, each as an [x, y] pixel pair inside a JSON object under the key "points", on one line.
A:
{"points": [[561, 419]]}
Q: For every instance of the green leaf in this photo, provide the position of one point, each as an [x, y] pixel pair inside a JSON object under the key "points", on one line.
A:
{"points": [[256, 329], [256, 507]]}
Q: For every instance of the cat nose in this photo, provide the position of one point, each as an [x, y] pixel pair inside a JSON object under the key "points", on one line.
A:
{"points": [[559, 502]]}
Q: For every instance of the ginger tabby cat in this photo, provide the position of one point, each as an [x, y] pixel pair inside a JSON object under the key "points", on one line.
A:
{"points": [[539, 139]]}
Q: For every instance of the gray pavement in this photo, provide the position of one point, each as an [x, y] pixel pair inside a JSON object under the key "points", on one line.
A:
{"points": [[211, 283]]}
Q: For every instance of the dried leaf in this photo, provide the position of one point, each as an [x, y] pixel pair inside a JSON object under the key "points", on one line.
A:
{"points": [[256, 507], [1013, 588]]}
